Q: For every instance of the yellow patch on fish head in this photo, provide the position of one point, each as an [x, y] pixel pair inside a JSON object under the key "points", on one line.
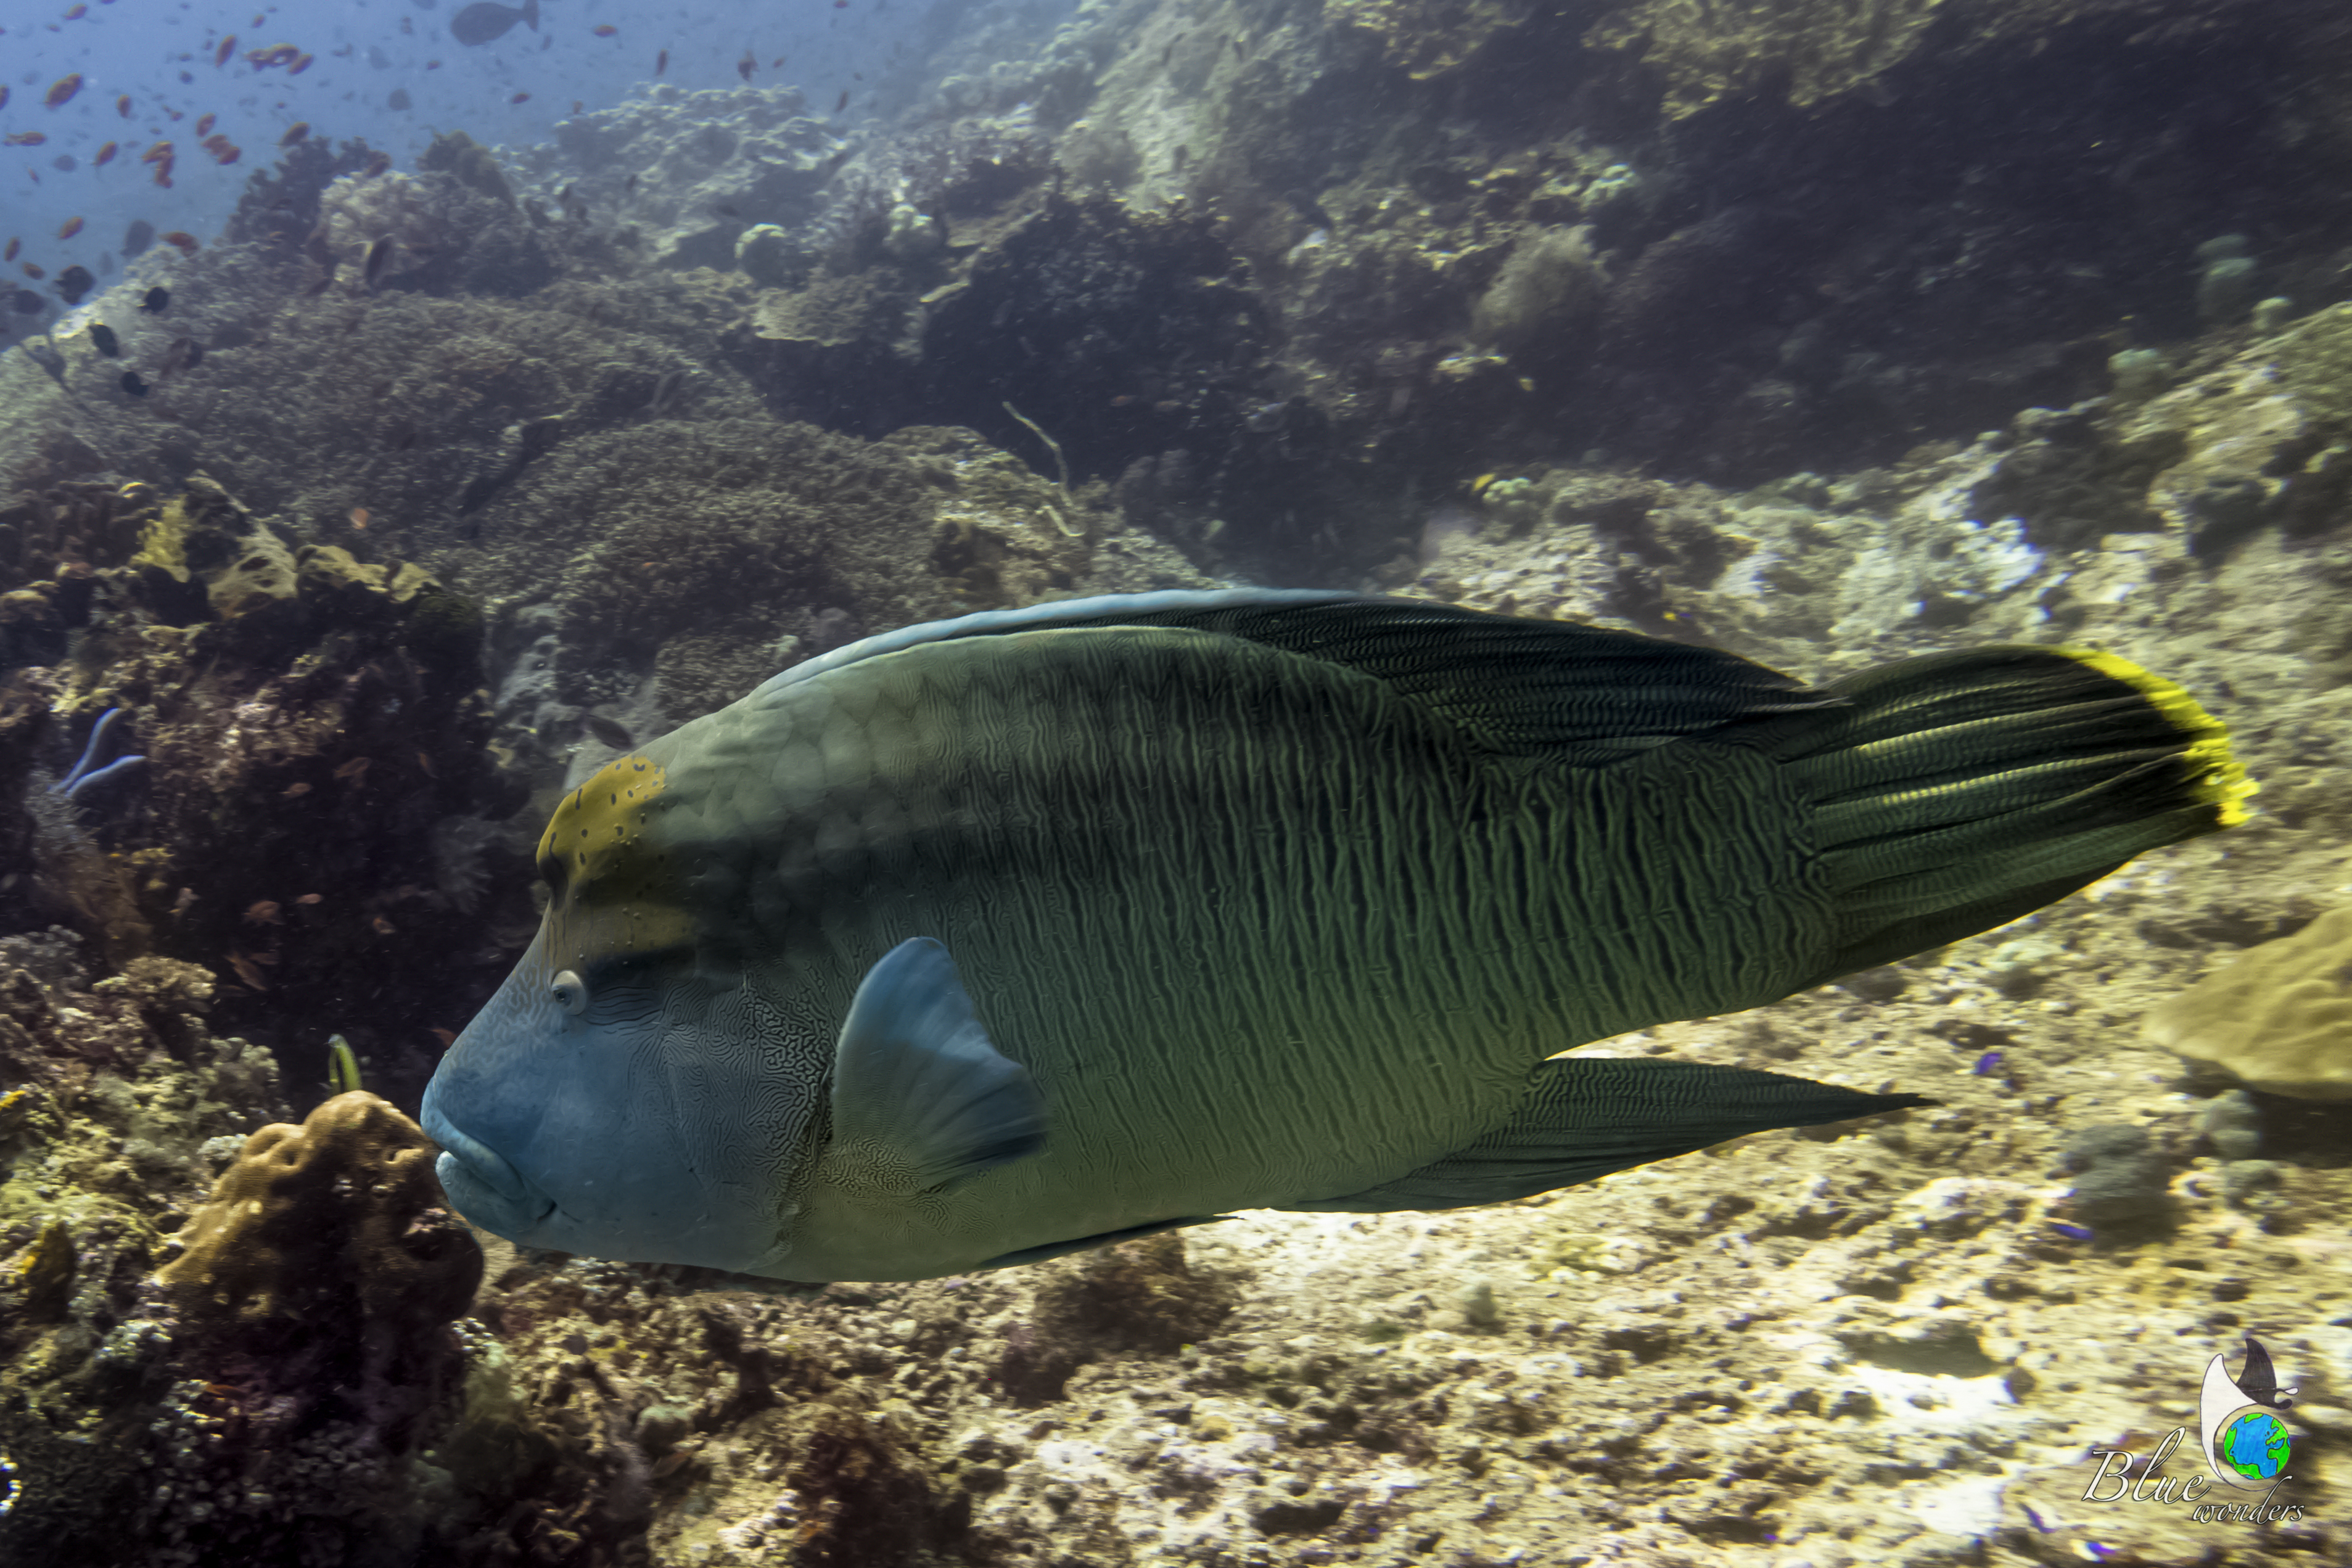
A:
{"points": [[613, 881]]}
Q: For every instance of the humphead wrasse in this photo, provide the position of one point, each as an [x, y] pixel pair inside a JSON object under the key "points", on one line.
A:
{"points": [[987, 940]]}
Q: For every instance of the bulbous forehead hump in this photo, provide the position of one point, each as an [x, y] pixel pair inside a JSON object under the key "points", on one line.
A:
{"points": [[614, 882], [599, 830]]}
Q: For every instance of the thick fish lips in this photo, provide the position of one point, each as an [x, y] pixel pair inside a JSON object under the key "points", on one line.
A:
{"points": [[480, 1183]]}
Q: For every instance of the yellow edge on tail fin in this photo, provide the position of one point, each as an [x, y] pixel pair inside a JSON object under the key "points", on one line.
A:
{"points": [[2225, 783]]}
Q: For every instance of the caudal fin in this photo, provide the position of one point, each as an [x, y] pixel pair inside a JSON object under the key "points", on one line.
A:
{"points": [[1957, 792]]}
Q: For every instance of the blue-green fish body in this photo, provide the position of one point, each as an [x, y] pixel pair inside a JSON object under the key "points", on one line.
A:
{"points": [[985, 940]]}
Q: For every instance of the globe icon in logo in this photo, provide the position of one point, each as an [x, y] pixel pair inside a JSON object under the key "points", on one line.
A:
{"points": [[2253, 1443]]}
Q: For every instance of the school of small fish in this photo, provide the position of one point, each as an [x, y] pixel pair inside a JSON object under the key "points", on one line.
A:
{"points": [[77, 96]]}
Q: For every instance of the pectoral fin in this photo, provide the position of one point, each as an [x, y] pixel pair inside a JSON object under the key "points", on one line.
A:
{"points": [[920, 1097], [1585, 1117]]}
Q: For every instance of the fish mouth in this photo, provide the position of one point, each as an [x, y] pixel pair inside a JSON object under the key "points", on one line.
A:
{"points": [[482, 1185]]}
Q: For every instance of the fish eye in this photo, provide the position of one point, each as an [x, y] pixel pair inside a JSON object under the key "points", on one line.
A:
{"points": [[569, 992]]}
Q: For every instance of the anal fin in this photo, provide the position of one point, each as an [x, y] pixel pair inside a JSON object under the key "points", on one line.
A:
{"points": [[1587, 1117]]}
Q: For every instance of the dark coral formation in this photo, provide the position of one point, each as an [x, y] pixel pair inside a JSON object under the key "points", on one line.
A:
{"points": [[333, 1231], [1141, 1298], [310, 1306], [111, 1096], [306, 720]]}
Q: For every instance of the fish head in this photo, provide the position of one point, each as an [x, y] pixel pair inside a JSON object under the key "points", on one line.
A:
{"points": [[626, 1093]]}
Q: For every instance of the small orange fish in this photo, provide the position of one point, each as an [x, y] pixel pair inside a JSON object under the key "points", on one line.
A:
{"points": [[160, 149], [603, 29], [295, 132], [122, 105], [106, 154], [383, 927], [204, 125], [227, 47], [311, 898], [297, 788], [26, 137], [447, 1037], [163, 173], [61, 90], [14, 246], [301, 63], [36, 271], [356, 769], [263, 913], [248, 971], [77, 13], [223, 153], [4, 95], [72, 227], [359, 517], [425, 760], [520, 98]]}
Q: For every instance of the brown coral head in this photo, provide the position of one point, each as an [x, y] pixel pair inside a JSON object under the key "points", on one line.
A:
{"points": [[337, 1224]]}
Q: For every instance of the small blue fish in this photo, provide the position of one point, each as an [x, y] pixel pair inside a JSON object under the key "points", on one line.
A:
{"points": [[2034, 1519], [1987, 1064], [2071, 1232]]}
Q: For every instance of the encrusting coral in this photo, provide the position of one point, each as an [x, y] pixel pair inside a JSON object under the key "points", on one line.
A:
{"points": [[2278, 1019], [339, 1216]]}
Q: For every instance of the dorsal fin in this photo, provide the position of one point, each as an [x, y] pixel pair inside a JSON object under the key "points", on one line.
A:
{"points": [[1551, 690]]}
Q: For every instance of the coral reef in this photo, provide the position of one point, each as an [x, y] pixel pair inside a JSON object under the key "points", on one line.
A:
{"points": [[335, 1229], [688, 172], [1825, 333], [300, 720], [1811, 51], [113, 1095]]}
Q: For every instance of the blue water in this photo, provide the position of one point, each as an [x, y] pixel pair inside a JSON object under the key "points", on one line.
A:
{"points": [[160, 54]]}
